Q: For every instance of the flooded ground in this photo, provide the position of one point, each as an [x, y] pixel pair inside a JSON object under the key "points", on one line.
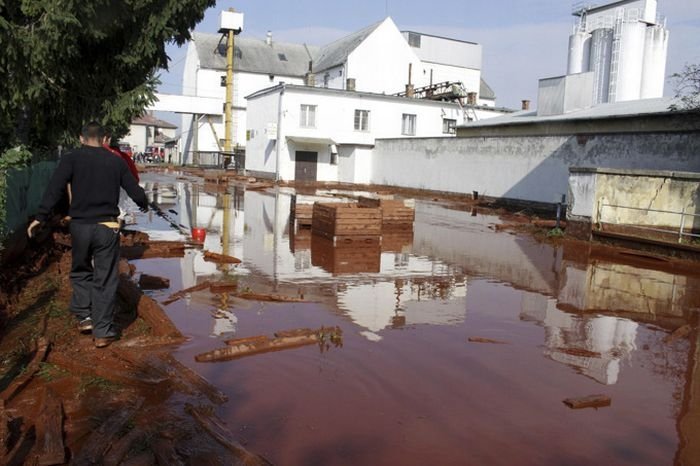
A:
{"points": [[407, 386]]}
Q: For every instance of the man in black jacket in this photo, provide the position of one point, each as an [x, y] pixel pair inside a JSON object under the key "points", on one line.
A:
{"points": [[95, 176]]}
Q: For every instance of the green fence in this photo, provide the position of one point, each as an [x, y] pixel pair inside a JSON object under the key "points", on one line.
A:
{"points": [[23, 189]]}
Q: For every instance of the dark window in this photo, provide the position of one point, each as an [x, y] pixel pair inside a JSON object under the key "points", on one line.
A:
{"points": [[414, 39], [282, 57], [449, 126]]}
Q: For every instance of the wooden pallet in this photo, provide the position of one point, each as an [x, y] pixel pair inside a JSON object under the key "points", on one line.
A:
{"points": [[302, 214], [396, 214], [333, 220], [400, 241]]}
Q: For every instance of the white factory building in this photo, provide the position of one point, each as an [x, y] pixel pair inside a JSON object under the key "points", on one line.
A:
{"points": [[327, 134], [617, 52], [378, 59]]}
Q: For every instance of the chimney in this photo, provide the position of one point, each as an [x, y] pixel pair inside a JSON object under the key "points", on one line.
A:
{"points": [[471, 98], [526, 105], [350, 84], [310, 77], [268, 39], [410, 90]]}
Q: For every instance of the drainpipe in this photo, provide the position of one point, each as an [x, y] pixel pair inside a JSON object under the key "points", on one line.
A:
{"points": [[278, 145]]}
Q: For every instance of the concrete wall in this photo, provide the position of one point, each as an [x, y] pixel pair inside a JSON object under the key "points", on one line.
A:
{"points": [[613, 196], [530, 168]]}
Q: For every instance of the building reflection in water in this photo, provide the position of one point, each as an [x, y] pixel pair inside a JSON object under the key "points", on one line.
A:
{"points": [[591, 305]]}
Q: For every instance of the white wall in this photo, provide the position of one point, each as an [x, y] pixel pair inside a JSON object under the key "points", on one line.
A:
{"points": [[336, 78], [380, 63], [335, 114], [136, 138], [530, 168]]}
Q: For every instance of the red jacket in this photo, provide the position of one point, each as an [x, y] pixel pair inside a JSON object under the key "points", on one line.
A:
{"points": [[130, 163]]}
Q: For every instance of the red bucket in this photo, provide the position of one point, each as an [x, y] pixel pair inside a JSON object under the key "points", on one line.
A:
{"points": [[199, 235]]}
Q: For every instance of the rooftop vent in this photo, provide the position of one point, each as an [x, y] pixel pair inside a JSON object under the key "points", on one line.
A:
{"points": [[282, 57]]}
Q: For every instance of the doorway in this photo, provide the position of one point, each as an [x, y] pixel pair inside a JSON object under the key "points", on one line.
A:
{"points": [[305, 166]]}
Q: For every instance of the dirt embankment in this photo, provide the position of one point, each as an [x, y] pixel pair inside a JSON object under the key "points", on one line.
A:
{"points": [[64, 401]]}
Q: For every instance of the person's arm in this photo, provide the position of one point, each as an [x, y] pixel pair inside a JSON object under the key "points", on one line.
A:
{"points": [[132, 188], [54, 192]]}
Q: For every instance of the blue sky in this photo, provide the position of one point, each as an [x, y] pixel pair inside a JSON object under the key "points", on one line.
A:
{"points": [[523, 40]]}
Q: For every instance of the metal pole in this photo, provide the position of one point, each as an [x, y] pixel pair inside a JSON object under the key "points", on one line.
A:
{"points": [[228, 136], [680, 231], [278, 143]]}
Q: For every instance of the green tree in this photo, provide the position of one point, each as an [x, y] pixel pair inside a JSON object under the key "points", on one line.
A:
{"points": [[687, 88], [63, 62]]}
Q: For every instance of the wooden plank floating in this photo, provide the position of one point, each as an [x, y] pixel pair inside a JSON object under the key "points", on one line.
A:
{"points": [[49, 431], [591, 401], [680, 332], [182, 293], [486, 340], [250, 346], [223, 287], [152, 282], [220, 258]]}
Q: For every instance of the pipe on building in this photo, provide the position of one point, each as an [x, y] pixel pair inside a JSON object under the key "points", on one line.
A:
{"points": [[278, 143]]}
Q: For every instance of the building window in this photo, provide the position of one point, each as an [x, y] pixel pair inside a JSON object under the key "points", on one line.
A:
{"points": [[361, 120], [326, 79], [414, 39], [408, 125], [282, 57], [449, 126], [308, 116]]}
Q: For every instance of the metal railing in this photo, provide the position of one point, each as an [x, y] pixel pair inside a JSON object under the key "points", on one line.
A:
{"points": [[681, 228]]}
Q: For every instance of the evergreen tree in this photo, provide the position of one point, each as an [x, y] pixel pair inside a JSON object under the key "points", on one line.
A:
{"points": [[63, 62]]}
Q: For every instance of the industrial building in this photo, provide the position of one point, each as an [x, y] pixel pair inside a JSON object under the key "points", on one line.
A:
{"points": [[617, 52], [378, 59]]}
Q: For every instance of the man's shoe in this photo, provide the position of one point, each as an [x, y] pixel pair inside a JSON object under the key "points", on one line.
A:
{"points": [[105, 342], [85, 325]]}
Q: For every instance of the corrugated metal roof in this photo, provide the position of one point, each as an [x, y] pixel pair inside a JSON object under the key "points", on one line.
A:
{"points": [[150, 120], [485, 91], [608, 110], [255, 55], [337, 52]]}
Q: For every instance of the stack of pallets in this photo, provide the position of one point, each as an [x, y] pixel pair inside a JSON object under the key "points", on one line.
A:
{"points": [[346, 256], [347, 223]]}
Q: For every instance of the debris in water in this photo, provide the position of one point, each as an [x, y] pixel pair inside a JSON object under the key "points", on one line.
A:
{"points": [[591, 401], [223, 287], [584, 353], [238, 348], [486, 340], [220, 258], [152, 282], [680, 332], [182, 293]]}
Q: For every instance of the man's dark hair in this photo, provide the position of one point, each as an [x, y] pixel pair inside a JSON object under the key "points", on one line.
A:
{"points": [[93, 130]]}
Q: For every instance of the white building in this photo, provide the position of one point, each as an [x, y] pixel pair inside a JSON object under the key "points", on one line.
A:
{"points": [[375, 59], [328, 134], [148, 131], [617, 52]]}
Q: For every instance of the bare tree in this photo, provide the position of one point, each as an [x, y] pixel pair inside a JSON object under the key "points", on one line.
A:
{"points": [[687, 88]]}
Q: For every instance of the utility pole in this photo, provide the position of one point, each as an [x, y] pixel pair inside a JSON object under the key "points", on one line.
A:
{"points": [[231, 24], [228, 137]]}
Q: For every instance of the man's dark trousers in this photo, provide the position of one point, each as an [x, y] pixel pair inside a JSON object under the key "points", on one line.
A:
{"points": [[95, 287]]}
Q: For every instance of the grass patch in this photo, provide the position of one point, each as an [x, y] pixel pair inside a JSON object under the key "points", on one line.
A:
{"points": [[555, 233], [49, 372], [94, 382]]}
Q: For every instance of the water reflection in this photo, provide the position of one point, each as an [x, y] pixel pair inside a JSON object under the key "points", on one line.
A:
{"points": [[590, 307]]}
